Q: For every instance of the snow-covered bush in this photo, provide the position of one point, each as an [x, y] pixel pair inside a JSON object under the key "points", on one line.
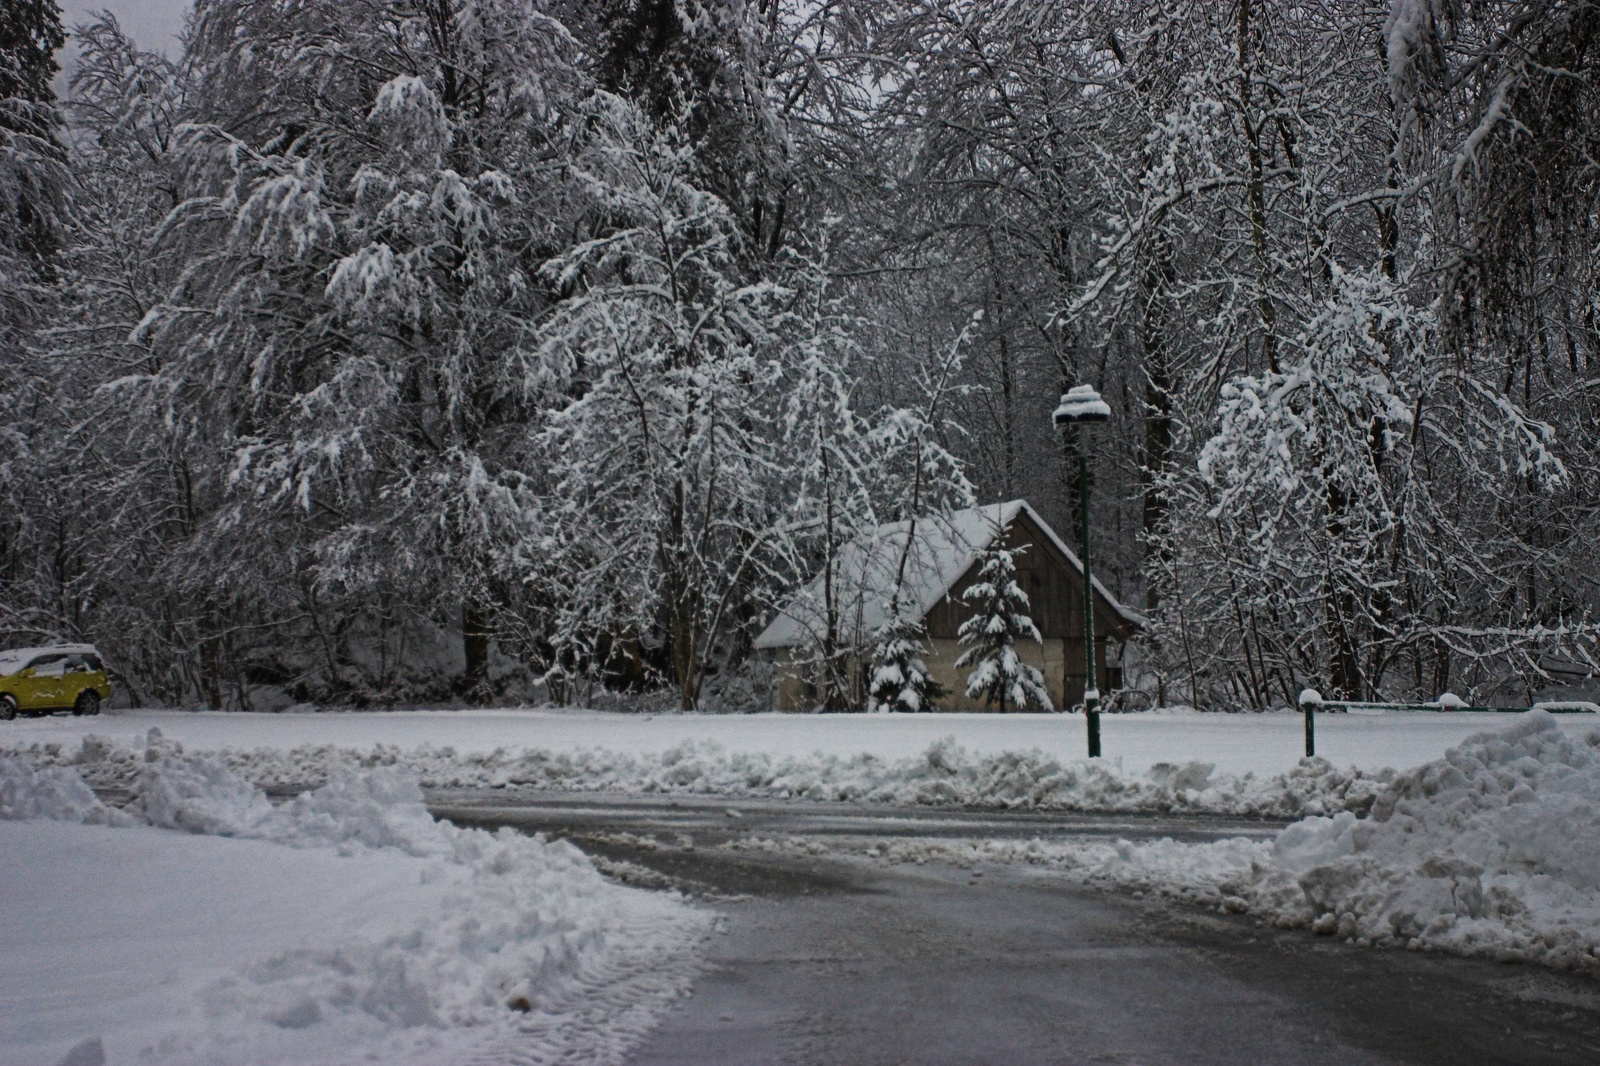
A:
{"points": [[899, 678]]}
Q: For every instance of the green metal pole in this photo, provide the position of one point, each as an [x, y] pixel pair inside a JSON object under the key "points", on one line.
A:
{"points": [[1091, 691]]}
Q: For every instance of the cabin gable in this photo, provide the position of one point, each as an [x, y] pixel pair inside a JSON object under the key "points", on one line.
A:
{"points": [[1052, 581]]}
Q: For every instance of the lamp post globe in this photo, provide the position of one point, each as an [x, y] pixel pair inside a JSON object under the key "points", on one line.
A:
{"points": [[1081, 406]]}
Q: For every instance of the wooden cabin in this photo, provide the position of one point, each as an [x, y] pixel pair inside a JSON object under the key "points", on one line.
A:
{"points": [[940, 562]]}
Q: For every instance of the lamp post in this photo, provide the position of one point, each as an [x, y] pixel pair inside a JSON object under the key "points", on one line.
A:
{"points": [[1081, 406]]}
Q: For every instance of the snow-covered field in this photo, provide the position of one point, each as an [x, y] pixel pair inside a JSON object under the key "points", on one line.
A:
{"points": [[345, 925]]}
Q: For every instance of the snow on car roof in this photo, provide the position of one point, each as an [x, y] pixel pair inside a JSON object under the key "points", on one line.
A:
{"points": [[14, 659], [942, 549]]}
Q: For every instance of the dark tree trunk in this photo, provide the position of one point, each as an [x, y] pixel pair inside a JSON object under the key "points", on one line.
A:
{"points": [[1157, 409], [1339, 607], [1266, 311], [475, 646]]}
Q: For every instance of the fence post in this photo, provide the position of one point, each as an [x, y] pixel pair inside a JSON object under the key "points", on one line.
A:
{"points": [[1310, 700]]}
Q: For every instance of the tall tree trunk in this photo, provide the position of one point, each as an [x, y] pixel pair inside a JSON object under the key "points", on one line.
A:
{"points": [[683, 605], [1008, 384], [1157, 410], [211, 670], [475, 648], [833, 691], [1266, 311], [1339, 610]]}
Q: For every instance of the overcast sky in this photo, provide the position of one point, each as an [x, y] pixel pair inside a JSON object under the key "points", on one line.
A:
{"points": [[153, 25]]}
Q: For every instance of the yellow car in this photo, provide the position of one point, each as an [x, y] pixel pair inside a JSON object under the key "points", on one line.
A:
{"points": [[41, 680]]}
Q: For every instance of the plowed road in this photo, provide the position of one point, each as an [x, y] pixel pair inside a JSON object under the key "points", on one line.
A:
{"points": [[849, 962]]}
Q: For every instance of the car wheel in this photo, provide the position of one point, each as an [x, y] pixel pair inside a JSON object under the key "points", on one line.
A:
{"points": [[88, 702], [8, 707]]}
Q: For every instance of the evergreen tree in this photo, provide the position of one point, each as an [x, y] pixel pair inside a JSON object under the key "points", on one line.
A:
{"points": [[32, 171], [33, 211], [998, 675], [900, 677], [30, 33], [366, 255]]}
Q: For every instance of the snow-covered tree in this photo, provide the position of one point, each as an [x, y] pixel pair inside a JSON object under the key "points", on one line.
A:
{"points": [[855, 470], [373, 331], [33, 175], [392, 409], [34, 212], [1317, 483], [665, 462], [834, 470], [998, 621], [334, 377], [932, 481], [899, 679]]}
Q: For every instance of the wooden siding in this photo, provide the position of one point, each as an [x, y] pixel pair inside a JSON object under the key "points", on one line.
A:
{"points": [[1054, 588]]}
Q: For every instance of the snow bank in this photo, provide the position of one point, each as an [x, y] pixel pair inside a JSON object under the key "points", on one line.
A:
{"points": [[526, 946], [197, 795], [1263, 744], [1493, 850], [56, 793], [946, 774]]}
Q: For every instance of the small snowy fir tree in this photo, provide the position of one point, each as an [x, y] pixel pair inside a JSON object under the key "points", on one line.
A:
{"points": [[900, 677], [998, 675]]}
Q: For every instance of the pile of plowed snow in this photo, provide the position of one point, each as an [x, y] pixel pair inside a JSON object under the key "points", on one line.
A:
{"points": [[1493, 850], [526, 944], [55, 793], [944, 775]]}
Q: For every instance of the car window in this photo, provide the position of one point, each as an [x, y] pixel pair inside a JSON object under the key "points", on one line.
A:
{"points": [[49, 665], [93, 663]]}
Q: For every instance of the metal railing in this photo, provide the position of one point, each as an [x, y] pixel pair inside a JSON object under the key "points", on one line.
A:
{"points": [[1311, 701]]}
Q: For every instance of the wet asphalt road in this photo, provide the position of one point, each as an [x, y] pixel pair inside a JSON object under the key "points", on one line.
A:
{"points": [[828, 960]]}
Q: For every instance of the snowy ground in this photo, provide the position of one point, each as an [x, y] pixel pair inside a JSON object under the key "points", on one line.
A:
{"points": [[346, 924], [1235, 743], [1492, 850], [1228, 764], [349, 919]]}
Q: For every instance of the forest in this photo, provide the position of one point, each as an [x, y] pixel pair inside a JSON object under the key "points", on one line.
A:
{"points": [[400, 352]]}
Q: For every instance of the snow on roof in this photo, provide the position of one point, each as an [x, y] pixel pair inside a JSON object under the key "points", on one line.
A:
{"points": [[14, 659], [944, 547]]}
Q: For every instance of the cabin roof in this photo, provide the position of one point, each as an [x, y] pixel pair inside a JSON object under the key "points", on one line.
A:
{"points": [[943, 549]]}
